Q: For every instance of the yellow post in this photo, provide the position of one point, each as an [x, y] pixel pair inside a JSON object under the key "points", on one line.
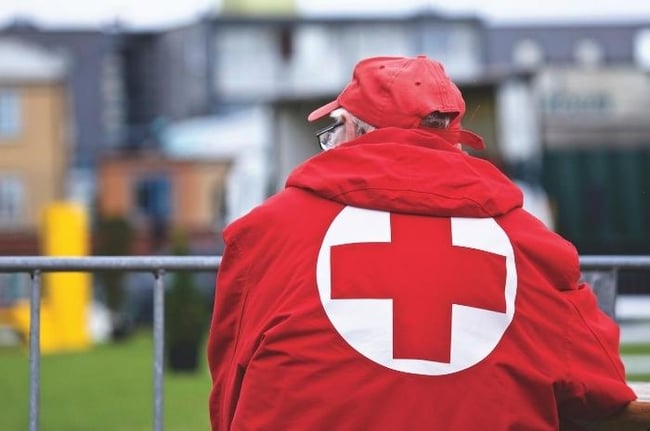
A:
{"points": [[66, 296]]}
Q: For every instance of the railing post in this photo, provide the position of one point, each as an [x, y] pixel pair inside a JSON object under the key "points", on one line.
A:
{"points": [[604, 283], [158, 349], [34, 350]]}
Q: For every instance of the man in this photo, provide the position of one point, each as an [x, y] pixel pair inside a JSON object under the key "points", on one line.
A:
{"points": [[397, 284]]}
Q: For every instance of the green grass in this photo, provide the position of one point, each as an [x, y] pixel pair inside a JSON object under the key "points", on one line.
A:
{"points": [[638, 377], [109, 387], [635, 349]]}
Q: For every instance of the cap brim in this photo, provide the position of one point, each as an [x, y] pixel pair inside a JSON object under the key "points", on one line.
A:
{"points": [[471, 139], [323, 110]]}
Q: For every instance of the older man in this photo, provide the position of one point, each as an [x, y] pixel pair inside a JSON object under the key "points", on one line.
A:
{"points": [[397, 284]]}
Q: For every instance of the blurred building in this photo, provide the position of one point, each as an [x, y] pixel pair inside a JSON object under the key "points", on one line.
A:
{"points": [[252, 80], [294, 64], [589, 82], [158, 194], [589, 87], [559, 106], [166, 79], [34, 139], [223, 65], [95, 97]]}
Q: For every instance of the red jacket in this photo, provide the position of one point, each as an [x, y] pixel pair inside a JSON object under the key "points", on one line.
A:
{"points": [[397, 284]]}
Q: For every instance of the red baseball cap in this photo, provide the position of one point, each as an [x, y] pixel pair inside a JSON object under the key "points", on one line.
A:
{"points": [[400, 92]]}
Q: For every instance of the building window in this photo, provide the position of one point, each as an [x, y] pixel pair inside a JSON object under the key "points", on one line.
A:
{"points": [[10, 114], [642, 49], [285, 43], [153, 197], [588, 52], [153, 204], [113, 98], [11, 200], [527, 53]]}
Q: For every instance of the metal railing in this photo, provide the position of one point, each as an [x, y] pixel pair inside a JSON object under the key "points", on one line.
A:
{"points": [[158, 266]]}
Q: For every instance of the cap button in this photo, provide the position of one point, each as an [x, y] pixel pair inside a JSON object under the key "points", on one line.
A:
{"points": [[421, 56]]}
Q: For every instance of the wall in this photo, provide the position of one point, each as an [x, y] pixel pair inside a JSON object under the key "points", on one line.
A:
{"points": [[601, 107], [39, 155], [195, 192], [259, 60]]}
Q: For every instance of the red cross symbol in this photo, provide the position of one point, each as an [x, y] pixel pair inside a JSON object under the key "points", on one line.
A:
{"points": [[424, 275]]}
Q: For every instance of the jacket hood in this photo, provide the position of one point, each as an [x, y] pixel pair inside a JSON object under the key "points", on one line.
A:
{"points": [[408, 171]]}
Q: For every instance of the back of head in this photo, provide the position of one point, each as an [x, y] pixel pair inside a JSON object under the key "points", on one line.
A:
{"points": [[402, 92]]}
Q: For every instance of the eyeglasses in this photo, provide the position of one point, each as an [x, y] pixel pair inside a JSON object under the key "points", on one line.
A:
{"points": [[326, 134]]}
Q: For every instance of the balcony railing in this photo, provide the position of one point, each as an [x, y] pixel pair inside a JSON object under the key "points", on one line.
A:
{"points": [[156, 265]]}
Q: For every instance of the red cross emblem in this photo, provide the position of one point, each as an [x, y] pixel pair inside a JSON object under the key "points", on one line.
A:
{"points": [[424, 275]]}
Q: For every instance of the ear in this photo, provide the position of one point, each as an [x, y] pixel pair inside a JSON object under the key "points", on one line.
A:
{"points": [[349, 130]]}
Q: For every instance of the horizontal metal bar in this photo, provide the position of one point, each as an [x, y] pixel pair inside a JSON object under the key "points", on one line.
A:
{"points": [[115, 263], [615, 262], [211, 263]]}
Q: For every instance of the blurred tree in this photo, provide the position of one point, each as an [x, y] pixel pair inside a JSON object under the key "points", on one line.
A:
{"points": [[186, 316], [115, 237]]}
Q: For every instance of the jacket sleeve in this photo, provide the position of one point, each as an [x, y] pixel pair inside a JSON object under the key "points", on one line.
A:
{"points": [[595, 386], [230, 296]]}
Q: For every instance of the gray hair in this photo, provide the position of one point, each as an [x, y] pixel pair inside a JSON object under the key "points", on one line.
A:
{"points": [[435, 120], [360, 126], [438, 120]]}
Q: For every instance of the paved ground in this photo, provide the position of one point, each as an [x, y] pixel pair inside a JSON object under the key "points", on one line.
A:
{"points": [[633, 307], [637, 364], [642, 390], [634, 319], [635, 332]]}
